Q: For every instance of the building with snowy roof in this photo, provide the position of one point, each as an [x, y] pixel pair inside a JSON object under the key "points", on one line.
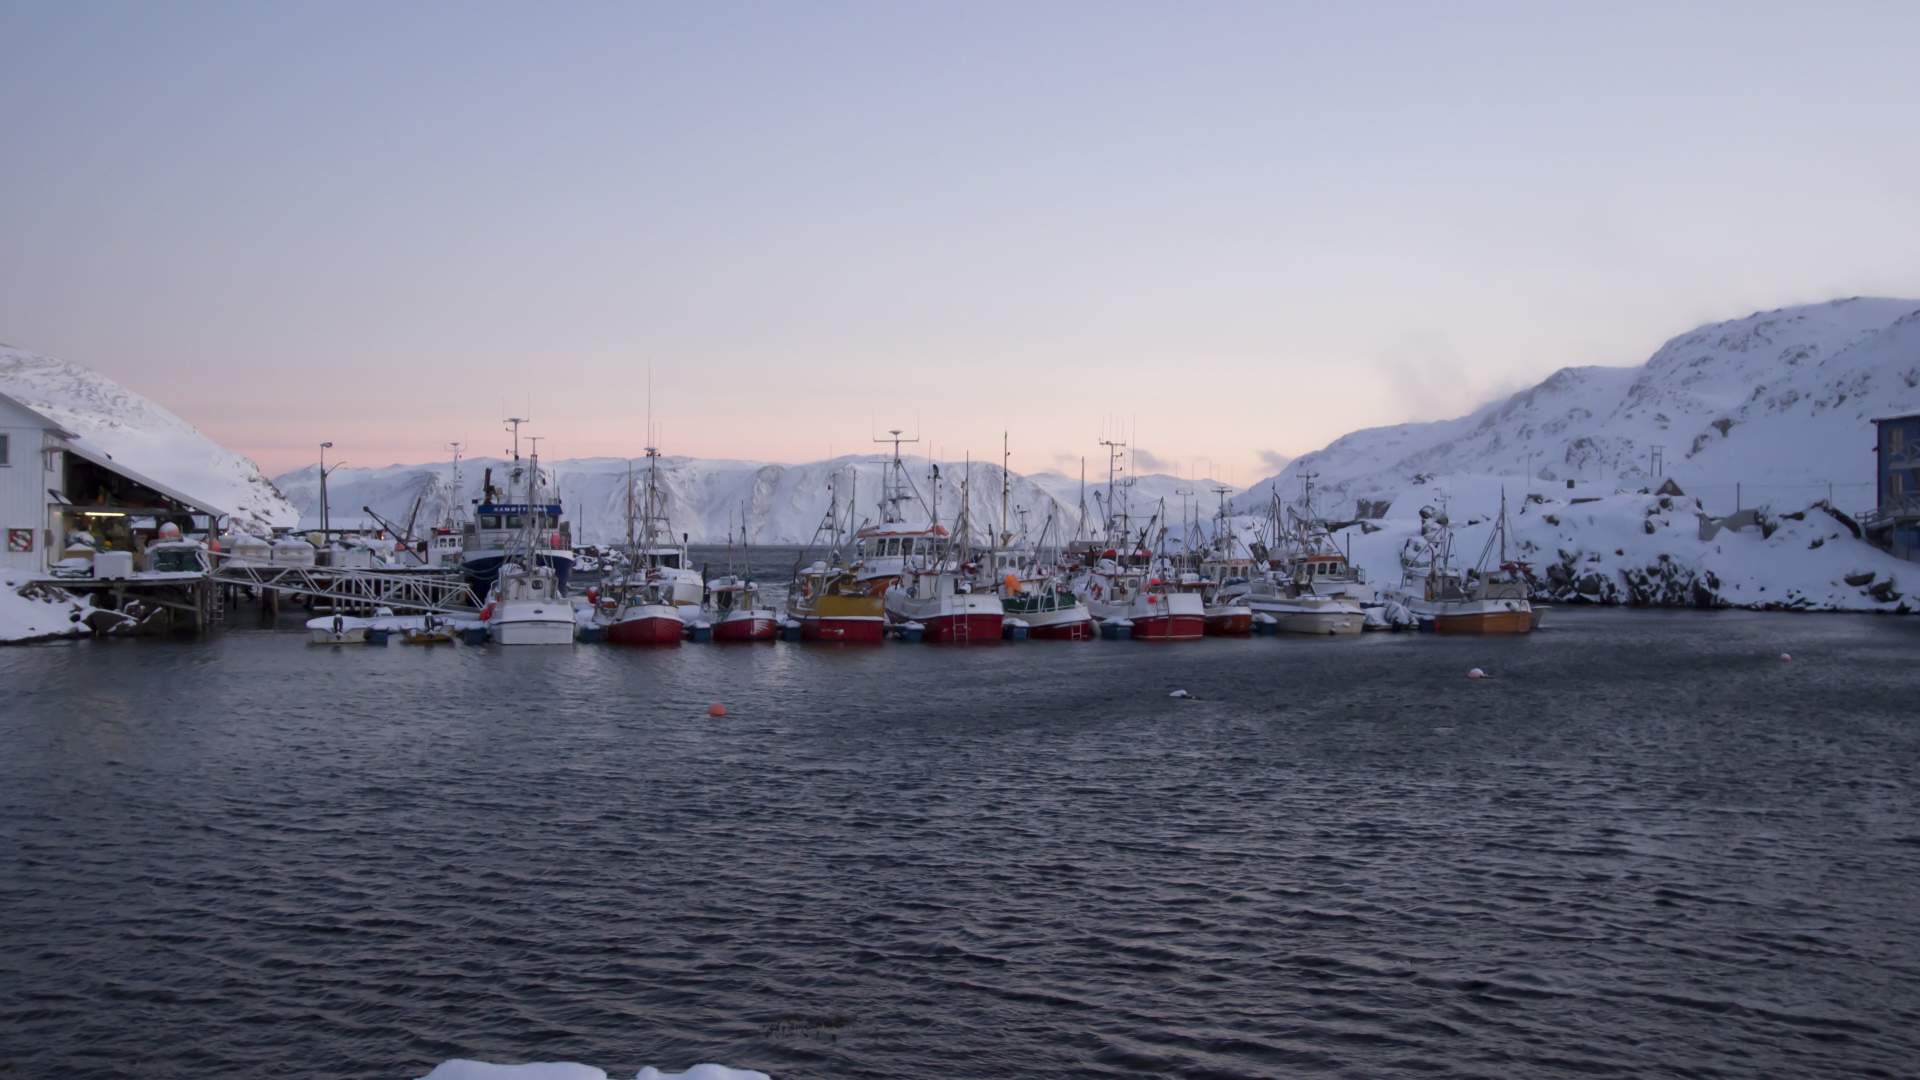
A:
{"points": [[58, 490]]}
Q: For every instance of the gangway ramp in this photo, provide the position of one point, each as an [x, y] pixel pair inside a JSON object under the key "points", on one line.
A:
{"points": [[425, 590]]}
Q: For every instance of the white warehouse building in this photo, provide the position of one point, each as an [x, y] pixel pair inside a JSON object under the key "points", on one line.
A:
{"points": [[57, 489]]}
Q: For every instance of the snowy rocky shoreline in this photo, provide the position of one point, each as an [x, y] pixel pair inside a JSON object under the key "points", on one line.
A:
{"points": [[1650, 550]]}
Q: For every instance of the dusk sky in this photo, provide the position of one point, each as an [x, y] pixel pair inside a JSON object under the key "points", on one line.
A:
{"points": [[1243, 230]]}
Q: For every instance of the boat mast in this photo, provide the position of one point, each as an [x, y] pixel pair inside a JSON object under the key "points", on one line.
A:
{"points": [[1079, 531], [1006, 532], [1119, 522], [893, 480]]}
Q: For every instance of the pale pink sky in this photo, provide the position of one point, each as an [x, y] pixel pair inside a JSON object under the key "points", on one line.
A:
{"points": [[1247, 230]]}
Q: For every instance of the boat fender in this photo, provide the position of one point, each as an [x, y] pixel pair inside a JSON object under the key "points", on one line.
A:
{"points": [[486, 612]]}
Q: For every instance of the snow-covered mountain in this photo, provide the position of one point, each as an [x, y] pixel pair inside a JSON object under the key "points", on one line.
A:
{"points": [[706, 499], [150, 439], [1772, 409]]}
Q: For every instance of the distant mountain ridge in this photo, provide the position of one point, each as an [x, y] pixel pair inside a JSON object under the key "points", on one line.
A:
{"points": [[706, 498], [1778, 403]]}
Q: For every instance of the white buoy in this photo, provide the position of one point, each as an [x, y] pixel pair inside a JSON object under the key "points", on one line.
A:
{"points": [[1786, 658], [1179, 694], [1476, 673]]}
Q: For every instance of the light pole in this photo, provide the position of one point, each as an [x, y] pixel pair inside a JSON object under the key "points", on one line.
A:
{"points": [[324, 447]]}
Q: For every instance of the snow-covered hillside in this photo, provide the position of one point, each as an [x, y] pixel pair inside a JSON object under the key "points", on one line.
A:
{"points": [[151, 440], [1617, 547], [1772, 409], [706, 498]]}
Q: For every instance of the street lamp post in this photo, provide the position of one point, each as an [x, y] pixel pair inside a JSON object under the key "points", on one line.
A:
{"points": [[324, 447]]}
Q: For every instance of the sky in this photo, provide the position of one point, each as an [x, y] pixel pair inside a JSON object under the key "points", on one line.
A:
{"points": [[1228, 233]]}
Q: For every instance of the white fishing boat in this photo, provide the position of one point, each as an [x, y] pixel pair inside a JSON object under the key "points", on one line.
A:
{"points": [[528, 604], [518, 521]]}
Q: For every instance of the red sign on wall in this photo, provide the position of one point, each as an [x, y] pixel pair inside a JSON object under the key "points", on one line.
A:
{"points": [[19, 539]]}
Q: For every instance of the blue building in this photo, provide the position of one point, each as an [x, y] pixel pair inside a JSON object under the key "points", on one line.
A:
{"points": [[1895, 521]]}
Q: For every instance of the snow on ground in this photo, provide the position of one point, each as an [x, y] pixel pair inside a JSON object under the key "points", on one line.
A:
{"points": [[47, 613], [144, 436], [480, 1070], [1630, 548]]}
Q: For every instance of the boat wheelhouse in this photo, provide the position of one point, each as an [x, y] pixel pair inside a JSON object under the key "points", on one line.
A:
{"points": [[498, 528]]}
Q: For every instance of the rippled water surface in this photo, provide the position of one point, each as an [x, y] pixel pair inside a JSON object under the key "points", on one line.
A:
{"points": [[1646, 846]]}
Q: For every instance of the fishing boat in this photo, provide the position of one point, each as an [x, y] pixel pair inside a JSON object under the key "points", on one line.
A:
{"points": [[1297, 610], [1309, 556], [1294, 580], [827, 597], [1033, 588], [1226, 616], [1126, 584], [1126, 588], [737, 613], [1224, 571], [733, 606], [640, 613], [641, 606], [937, 588], [528, 604], [889, 547], [514, 519], [1492, 599], [833, 605], [945, 603]]}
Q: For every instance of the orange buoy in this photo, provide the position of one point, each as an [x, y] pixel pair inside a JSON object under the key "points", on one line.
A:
{"points": [[716, 709]]}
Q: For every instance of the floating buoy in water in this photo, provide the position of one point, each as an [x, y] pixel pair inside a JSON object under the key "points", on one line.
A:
{"points": [[1179, 694], [1786, 658], [1476, 673], [716, 709]]}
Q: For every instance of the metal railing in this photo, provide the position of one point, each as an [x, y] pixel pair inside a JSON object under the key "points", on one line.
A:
{"points": [[1894, 509], [425, 590]]}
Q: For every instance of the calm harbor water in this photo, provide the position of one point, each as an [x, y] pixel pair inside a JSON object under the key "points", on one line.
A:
{"points": [[1647, 846]]}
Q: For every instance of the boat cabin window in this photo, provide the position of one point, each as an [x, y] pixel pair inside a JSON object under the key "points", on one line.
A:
{"points": [[489, 521], [670, 562]]}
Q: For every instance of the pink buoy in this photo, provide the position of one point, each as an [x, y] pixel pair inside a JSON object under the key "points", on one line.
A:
{"points": [[716, 709], [1786, 658], [1476, 673]]}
